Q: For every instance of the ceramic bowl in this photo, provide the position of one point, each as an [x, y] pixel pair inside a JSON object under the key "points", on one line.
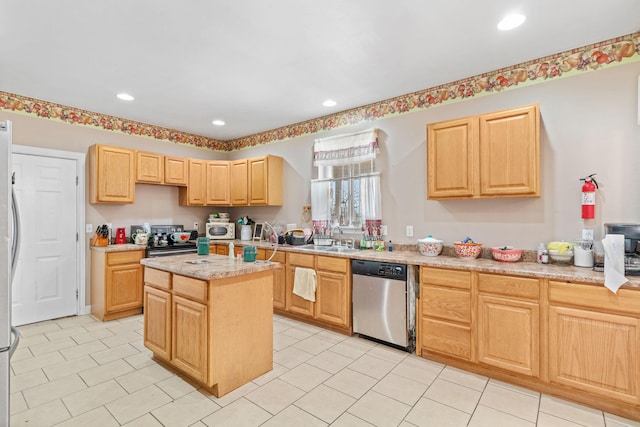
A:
{"points": [[430, 246], [560, 258], [467, 250], [506, 254]]}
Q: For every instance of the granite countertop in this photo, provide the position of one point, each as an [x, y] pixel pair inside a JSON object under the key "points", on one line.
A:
{"points": [[532, 269], [119, 248], [207, 267], [230, 267]]}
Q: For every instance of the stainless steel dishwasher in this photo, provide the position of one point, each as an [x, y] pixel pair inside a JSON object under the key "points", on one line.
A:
{"points": [[381, 302]]}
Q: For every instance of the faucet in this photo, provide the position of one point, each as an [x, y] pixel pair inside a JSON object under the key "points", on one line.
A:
{"points": [[339, 229]]}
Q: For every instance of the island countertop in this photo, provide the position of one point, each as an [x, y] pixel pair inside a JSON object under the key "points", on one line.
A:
{"points": [[207, 267]]}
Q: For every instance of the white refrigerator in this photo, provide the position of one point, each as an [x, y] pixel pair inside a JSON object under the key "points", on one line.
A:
{"points": [[9, 247]]}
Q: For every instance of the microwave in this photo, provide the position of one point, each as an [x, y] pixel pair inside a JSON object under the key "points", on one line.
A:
{"points": [[221, 230]]}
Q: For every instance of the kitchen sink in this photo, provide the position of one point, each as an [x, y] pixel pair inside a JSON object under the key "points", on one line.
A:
{"points": [[342, 249]]}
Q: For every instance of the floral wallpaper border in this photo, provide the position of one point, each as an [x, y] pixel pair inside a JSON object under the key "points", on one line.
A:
{"points": [[588, 58]]}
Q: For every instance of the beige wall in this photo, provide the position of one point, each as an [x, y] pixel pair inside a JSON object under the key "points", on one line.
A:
{"points": [[589, 124]]}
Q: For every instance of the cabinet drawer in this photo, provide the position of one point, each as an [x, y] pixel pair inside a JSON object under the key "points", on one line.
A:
{"points": [[191, 288], [597, 297], [278, 257], [128, 257], [447, 304], [446, 338], [339, 265], [157, 278], [301, 260], [509, 286], [449, 278]]}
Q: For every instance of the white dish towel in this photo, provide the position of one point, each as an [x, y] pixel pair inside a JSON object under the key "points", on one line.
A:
{"points": [[304, 283]]}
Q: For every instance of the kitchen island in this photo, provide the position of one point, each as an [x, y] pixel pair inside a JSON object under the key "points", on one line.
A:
{"points": [[210, 318]]}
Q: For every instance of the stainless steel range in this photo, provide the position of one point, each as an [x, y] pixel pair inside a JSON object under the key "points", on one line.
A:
{"points": [[163, 242]]}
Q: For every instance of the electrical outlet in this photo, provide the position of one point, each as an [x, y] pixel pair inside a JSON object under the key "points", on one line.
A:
{"points": [[409, 230], [587, 234], [384, 230], [89, 228], [195, 225]]}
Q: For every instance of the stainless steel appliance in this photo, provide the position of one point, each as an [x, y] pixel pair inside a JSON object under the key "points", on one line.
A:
{"points": [[221, 230], [631, 234], [161, 243], [381, 302], [9, 247]]}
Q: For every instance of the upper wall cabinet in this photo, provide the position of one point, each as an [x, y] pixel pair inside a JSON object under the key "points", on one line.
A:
{"points": [[265, 181], [112, 174], [176, 170], [239, 182], [154, 168], [490, 155], [194, 193], [218, 187]]}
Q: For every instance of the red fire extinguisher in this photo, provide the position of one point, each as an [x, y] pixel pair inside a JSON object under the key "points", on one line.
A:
{"points": [[589, 196]]}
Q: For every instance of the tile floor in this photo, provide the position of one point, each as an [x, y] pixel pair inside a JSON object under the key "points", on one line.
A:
{"points": [[77, 371]]}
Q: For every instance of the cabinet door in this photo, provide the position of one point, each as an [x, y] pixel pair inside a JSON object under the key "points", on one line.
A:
{"points": [[595, 352], [265, 181], [189, 337], [196, 188], [451, 158], [509, 152], [175, 170], [222, 249], [157, 322], [149, 167], [332, 298], [123, 288], [239, 182], [296, 304], [218, 186], [508, 334], [113, 174]]}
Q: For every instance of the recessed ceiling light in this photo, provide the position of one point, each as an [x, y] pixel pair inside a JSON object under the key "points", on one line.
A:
{"points": [[218, 122], [125, 97], [329, 103], [511, 21]]}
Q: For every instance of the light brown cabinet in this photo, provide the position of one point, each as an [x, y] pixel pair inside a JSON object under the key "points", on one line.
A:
{"points": [[333, 293], [445, 313], [149, 167], [176, 170], [508, 325], [332, 307], [265, 181], [489, 155], [116, 284], [218, 332], [239, 182], [157, 332], [195, 193], [112, 174], [594, 340], [218, 185]]}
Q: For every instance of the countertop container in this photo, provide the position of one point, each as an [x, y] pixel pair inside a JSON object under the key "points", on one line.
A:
{"points": [[430, 246]]}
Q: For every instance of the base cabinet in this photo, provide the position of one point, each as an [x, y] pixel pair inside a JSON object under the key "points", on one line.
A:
{"points": [[332, 306], [445, 315], [217, 332], [189, 337], [116, 284], [157, 322]]}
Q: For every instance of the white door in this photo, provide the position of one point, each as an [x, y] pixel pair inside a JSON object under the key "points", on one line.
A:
{"points": [[45, 285]]}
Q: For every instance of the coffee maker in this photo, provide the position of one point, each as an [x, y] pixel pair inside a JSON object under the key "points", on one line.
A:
{"points": [[631, 234]]}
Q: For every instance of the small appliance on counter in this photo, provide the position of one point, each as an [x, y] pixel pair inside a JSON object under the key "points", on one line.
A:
{"points": [[221, 230], [631, 234]]}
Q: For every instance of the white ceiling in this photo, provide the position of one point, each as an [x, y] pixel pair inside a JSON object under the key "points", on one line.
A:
{"points": [[261, 64]]}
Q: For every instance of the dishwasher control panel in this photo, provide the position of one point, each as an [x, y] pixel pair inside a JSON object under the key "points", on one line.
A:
{"points": [[379, 269]]}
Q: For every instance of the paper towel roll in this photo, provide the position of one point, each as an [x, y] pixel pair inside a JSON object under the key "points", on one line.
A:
{"points": [[613, 245]]}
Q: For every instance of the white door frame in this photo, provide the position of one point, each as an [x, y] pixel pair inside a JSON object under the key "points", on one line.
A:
{"points": [[79, 158]]}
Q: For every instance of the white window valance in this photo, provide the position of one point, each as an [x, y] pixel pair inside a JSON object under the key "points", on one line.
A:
{"points": [[346, 149]]}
